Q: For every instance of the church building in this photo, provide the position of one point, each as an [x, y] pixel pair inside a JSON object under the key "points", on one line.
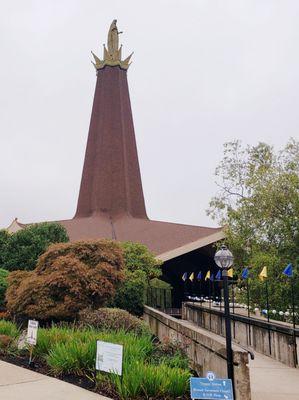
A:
{"points": [[111, 201]]}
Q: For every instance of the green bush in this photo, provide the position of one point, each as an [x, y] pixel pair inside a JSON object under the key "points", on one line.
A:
{"points": [[171, 353], [77, 353], [69, 350], [47, 338], [4, 237], [22, 249], [143, 380], [9, 329], [130, 295], [72, 357], [3, 285], [140, 266], [138, 257], [112, 319]]}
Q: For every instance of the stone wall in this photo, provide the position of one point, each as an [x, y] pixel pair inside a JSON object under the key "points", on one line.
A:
{"points": [[206, 350], [258, 335]]}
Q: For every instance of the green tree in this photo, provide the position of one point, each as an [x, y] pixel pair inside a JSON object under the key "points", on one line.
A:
{"points": [[258, 203], [4, 237], [21, 250], [140, 267], [138, 257], [130, 295], [3, 285]]}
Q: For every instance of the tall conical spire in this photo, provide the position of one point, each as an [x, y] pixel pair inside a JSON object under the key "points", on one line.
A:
{"points": [[111, 181]]}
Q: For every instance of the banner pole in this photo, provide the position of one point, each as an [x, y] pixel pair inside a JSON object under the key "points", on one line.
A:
{"points": [[268, 317], [294, 323], [210, 302], [233, 298], [220, 294], [213, 290], [248, 310]]}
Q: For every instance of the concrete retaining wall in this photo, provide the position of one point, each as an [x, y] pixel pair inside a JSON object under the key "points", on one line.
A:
{"points": [[206, 350], [255, 335]]}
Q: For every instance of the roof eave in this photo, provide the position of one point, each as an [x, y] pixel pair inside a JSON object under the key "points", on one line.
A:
{"points": [[187, 248]]}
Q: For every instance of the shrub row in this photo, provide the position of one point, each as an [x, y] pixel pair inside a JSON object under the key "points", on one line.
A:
{"points": [[69, 350]]}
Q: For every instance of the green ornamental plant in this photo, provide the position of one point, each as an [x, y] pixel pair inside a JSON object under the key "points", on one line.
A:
{"points": [[138, 257], [71, 350], [140, 267], [130, 295], [8, 328]]}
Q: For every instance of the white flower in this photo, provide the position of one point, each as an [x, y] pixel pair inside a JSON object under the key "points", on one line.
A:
{"points": [[287, 314], [256, 309], [280, 313], [274, 312]]}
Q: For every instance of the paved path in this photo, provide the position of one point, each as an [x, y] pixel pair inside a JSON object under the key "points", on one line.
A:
{"points": [[22, 384], [272, 380]]}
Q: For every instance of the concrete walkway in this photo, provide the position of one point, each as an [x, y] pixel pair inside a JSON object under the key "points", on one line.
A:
{"points": [[22, 384], [272, 380]]}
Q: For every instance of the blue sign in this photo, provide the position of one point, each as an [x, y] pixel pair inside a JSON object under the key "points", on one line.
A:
{"points": [[204, 388]]}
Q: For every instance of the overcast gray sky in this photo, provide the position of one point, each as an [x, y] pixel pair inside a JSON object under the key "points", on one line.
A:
{"points": [[204, 72]]}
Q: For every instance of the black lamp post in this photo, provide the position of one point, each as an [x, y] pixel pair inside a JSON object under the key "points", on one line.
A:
{"points": [[224, 259]]}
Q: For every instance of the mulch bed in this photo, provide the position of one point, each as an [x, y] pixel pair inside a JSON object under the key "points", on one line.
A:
{"points": [[41, 367]]}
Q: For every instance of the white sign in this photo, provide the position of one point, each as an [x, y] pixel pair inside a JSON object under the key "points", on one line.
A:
{"points": [[109, 357], [32, 332]]}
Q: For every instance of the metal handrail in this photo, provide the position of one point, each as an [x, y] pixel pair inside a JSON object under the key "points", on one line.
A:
{"points": [[275, 327]]}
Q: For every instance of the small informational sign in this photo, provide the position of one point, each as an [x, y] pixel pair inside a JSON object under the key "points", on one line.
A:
{"points": [[109, 357], [211, 389], [32, 332]]}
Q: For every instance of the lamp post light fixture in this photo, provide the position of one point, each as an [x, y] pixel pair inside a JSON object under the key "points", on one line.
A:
{"points": [[224, 259]]}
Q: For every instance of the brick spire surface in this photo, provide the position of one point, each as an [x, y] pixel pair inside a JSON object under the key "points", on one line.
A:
{"points": [[111, 181]]}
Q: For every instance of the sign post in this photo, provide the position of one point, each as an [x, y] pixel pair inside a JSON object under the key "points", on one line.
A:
{"points": [[31, 337]]}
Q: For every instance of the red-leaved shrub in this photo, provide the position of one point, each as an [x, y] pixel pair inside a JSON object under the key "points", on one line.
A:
{"points": [[68, 278]]}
